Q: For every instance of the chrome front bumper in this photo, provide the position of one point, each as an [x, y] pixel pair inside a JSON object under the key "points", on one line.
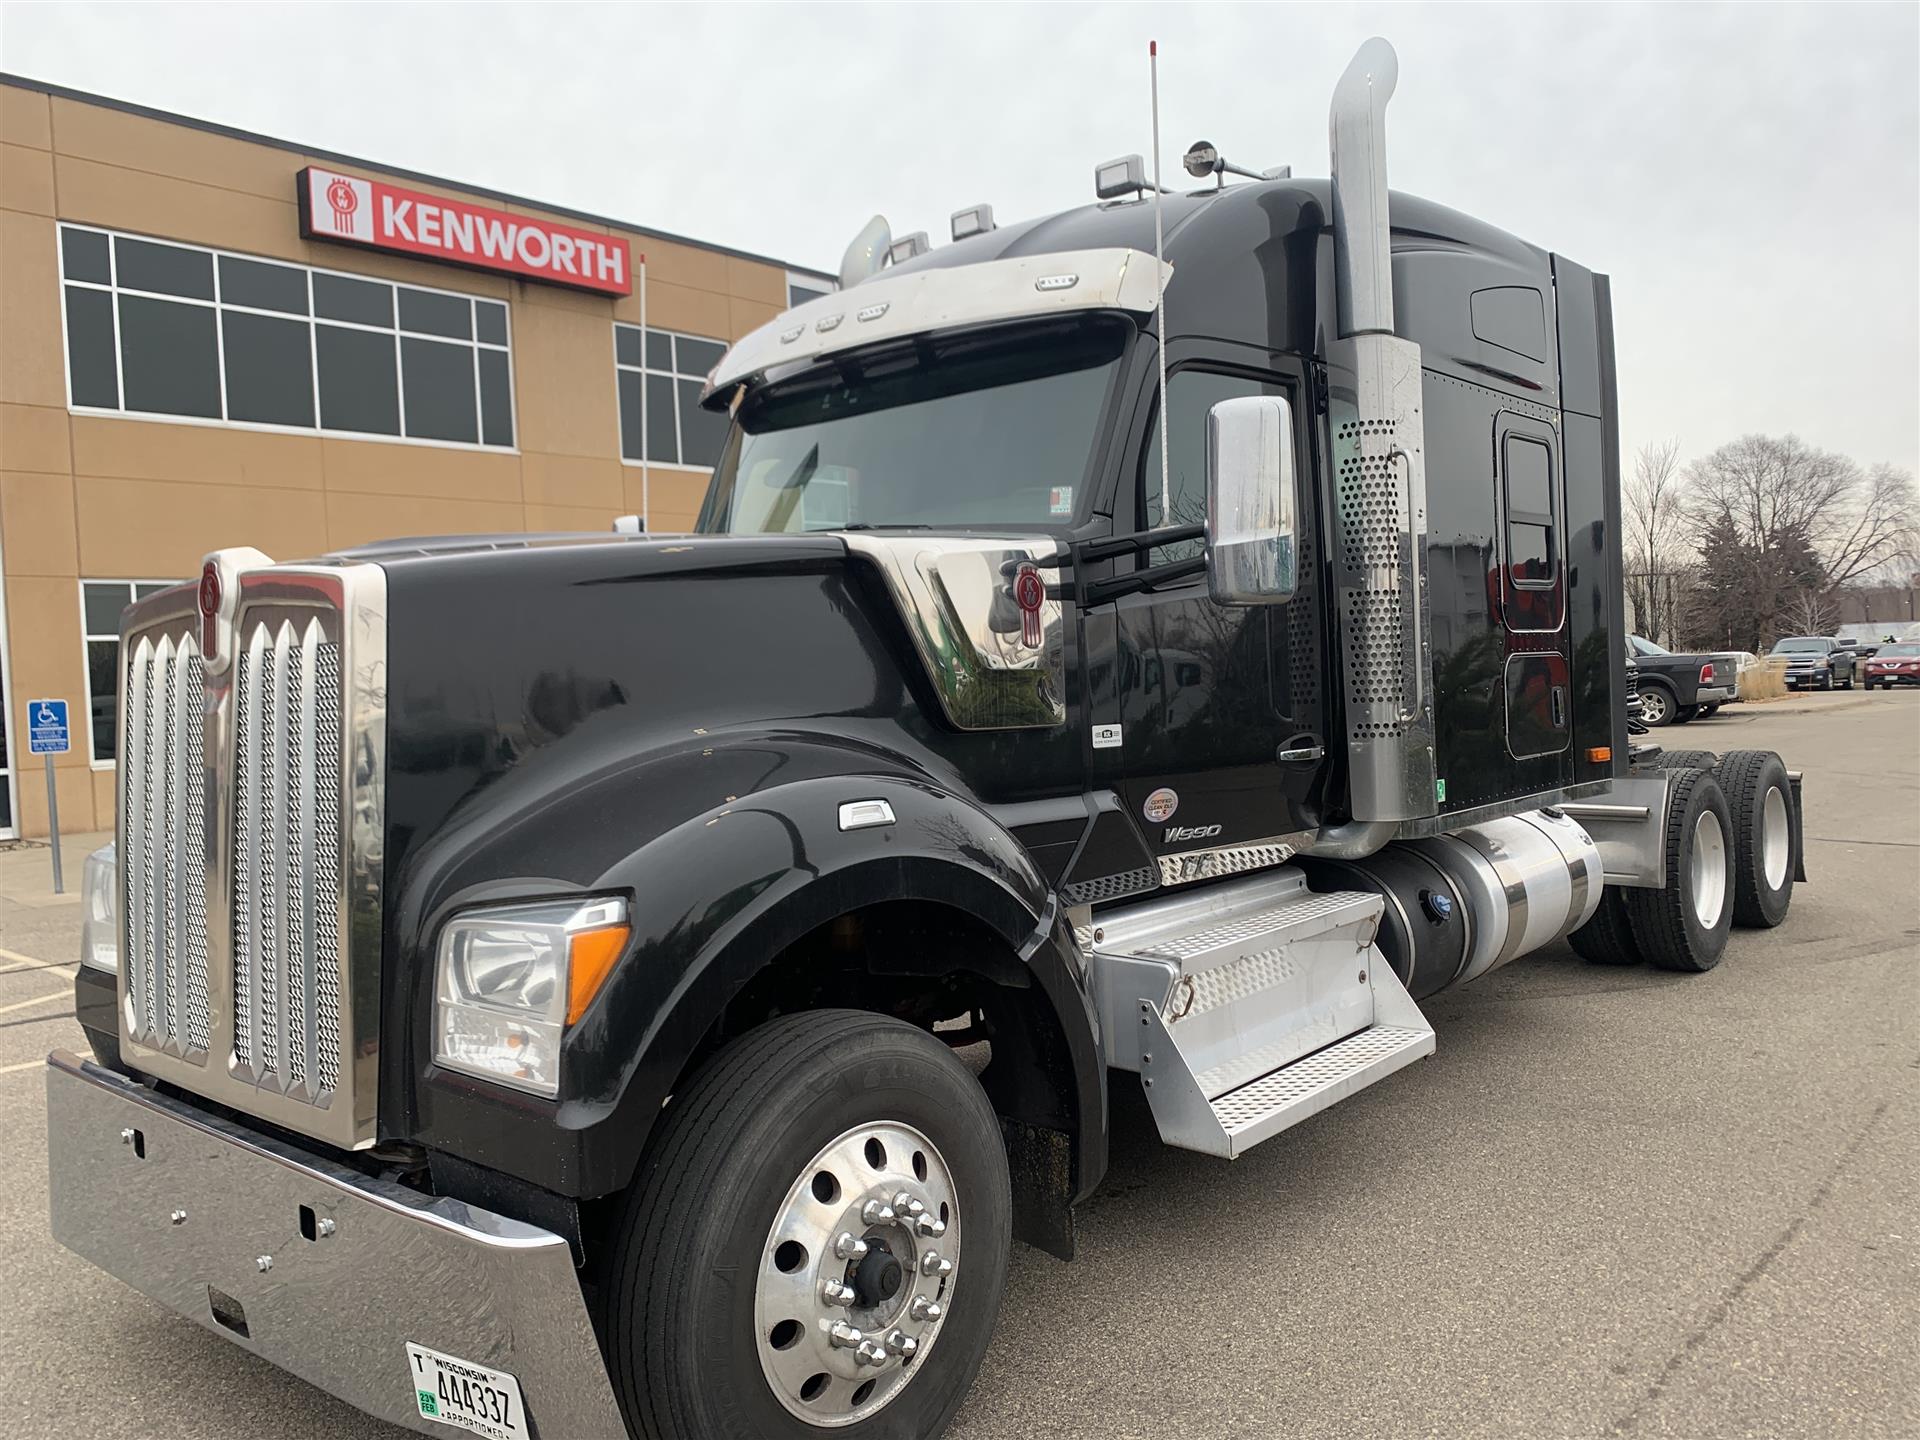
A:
{"points": [[317, 1268]]}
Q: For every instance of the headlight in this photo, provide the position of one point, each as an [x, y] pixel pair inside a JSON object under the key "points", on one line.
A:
{"points": [[509, 980], [100, 912]]}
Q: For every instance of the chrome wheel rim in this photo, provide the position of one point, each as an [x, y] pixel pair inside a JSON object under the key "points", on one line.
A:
{"points": [[1775, 839], [1653, 707], [876, 1207], [1707, 871]]}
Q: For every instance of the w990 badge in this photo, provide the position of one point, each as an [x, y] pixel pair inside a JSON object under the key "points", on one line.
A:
{"points": [[466, 1396]]}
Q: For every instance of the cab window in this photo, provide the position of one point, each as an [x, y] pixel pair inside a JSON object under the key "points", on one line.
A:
{"points": [[1191, 393]]}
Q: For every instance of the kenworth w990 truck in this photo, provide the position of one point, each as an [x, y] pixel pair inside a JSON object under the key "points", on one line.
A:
{"points": [[574, 986]]}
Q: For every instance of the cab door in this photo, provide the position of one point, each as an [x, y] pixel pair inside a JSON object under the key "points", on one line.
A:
{"points": [[1224, 740]]}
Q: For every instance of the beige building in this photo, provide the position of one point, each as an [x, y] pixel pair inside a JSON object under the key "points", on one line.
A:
{"points": [[182, 368]]}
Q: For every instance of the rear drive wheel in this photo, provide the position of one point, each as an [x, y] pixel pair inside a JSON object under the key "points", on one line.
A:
{"points": [[1684, 924], [1607, 939], [1656, 705], [1760, 797], [817, 1242], [1685, 760]]}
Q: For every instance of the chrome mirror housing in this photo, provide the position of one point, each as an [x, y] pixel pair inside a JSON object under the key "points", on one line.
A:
{"points": [[1252, 554]]}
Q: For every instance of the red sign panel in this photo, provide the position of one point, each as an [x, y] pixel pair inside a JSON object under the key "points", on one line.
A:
{"points": [[357, 211]]}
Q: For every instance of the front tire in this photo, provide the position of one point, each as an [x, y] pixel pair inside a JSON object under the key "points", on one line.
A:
{"points": [[771, 1185], [1684, 924]]}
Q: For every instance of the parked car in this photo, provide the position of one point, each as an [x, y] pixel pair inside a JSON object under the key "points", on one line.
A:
{"points": [[1896, 664], [1816, 661], [1677, 688]]}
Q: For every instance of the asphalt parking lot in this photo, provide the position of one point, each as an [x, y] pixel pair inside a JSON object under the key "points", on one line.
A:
{"points": [[1615, 1203]]}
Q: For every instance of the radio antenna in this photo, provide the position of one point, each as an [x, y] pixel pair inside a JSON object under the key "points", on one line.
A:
{"points": [[1160, 268]]}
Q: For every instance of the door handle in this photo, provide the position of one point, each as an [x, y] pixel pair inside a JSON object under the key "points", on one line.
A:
{"points": [[1301, 752], [1559, 707]]}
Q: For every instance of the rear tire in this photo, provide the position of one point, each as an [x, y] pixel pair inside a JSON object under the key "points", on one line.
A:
{"points": [[1760, 797], [1707, 712], [1656, 705], [1607, 939], [710, 1327], [1684, 924], [1685, 760], [1686, 714]]}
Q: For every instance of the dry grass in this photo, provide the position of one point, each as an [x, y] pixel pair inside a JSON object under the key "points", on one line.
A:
{"points": [[1765, 681]]}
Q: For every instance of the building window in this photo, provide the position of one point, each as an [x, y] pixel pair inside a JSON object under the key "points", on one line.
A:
{"points": [[802, 288], [176, 332], [660, 375], [101, 602]]}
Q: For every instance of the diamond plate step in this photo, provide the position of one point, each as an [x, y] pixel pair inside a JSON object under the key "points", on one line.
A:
{"points": [[1275, 1101]]}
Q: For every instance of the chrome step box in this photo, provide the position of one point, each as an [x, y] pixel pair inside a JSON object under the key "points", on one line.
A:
{"points": [[1249, 1006]]}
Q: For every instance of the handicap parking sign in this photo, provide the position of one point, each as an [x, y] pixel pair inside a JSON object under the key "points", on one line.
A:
{"points": [[47, 727]]}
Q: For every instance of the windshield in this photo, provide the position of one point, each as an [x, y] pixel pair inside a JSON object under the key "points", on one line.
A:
{"points": [[993, 428], [1801, 647], [1642, 646], [1902, 651]]}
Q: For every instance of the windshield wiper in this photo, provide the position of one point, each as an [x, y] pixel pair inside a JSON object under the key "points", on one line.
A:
{"points": [[863, 525]]}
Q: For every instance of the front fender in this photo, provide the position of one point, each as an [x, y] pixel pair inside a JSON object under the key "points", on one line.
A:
{"points": [[714, 899]]}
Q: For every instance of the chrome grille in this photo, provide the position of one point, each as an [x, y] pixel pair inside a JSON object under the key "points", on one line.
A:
{"points": [[286, 861], [242, 773], [163, 875]]}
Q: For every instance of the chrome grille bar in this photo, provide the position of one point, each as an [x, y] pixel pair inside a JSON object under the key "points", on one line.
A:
{"points": [[241, 775]]}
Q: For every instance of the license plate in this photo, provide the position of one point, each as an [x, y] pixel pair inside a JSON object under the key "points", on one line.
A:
{"points": [[466, 1396]]}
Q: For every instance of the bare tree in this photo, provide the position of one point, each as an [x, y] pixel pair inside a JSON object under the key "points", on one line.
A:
{"points": [[1655, 530], [1808, 613], [1875, 531]]}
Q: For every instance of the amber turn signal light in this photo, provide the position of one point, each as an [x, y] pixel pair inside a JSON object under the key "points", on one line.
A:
{"points": [[590, 957], [1599, 754]]}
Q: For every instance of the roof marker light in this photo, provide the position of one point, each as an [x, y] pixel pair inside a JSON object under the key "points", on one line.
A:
{"points": [[1056, 282], [1125, 176], [908, 246], [977, 220], [872, 312]]}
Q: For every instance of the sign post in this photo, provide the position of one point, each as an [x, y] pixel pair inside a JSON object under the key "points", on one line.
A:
{"points": [[47, 733]]}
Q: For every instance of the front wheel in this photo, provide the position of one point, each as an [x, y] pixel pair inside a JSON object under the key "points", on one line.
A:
{"points": [[817, 1242]]}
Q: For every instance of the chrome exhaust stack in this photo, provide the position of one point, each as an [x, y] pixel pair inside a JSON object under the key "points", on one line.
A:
{"points": [[1380, 515]]}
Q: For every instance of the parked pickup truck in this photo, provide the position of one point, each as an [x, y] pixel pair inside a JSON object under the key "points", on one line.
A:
{"points": [[1677, 688], [1815, 660]]}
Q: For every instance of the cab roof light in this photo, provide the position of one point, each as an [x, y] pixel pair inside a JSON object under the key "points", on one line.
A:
{"points": [[976, 220], [908, 246], [1125, 176]]}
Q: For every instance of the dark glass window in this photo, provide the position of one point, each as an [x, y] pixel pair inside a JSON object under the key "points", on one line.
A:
{"points": [[335, 297], [702, 432], [103, 600], [626, 345], [269, 366], [262, 287], [696, 357], [83, 254], [659, 350], [103, 693], [432, 313], [359, 383], [491, 320], [1531, 559], [1530, 552], [1529, 478], [150, 333], [168, 269], [169, 357], [629, 385], [1190, 395], [438, 383], [800, 294], [496, 399], [91, 368], [662, 443]]}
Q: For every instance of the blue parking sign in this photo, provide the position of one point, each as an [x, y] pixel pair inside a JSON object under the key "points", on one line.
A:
{"points": [[47, 727]]}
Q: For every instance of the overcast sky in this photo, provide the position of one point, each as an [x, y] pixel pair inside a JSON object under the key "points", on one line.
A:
{"points": [[1749, 175]]}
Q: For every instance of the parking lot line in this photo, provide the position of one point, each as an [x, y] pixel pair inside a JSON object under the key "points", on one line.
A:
{"points": [[47, 999], [23, 1065]]}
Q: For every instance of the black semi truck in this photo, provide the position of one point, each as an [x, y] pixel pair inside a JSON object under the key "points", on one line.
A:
{"points": [[596, 985]]}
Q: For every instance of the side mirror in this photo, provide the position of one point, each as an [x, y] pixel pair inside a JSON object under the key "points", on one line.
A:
{"points": [[1252, 558]]}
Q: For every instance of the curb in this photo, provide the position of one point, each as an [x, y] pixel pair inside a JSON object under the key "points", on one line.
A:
{"points": [[1757, 709]]}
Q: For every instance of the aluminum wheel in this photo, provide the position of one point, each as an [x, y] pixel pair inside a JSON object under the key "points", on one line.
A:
{"points": [[857, 1273], [1707, 871], [1655, 708], [1775, 839]]}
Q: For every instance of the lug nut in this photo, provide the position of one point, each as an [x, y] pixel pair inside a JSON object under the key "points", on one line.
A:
{"points": [[932, 1264], [179, 1217], [925, 1309], [324, 1228], [905, 1204], [844, 1336], [869, 1354], [876, 1212], [902, 1344], [850, 1246], [838, 1294], [265, 1262], [126, 1136], [931, 1225]]}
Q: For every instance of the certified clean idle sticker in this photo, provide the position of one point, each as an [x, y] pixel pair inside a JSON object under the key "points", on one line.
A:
{"points": [[1160, 806], [466, 1396]]}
